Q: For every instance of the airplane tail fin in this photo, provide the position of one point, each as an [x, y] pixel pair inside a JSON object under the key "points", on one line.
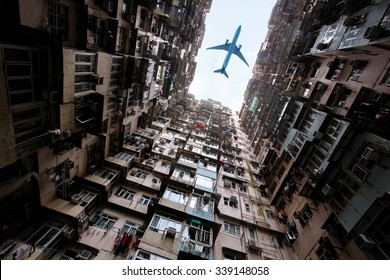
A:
{"points": [[222, 71]]}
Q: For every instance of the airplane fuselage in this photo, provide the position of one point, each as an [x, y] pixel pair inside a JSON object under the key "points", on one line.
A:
{"points": [[231, 48]]}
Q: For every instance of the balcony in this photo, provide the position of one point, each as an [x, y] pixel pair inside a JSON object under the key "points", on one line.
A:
{"points": [[194, 250]]}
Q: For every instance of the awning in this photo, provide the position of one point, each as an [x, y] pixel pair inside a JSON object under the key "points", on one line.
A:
{"points": [[199, 125], [193, 221]]}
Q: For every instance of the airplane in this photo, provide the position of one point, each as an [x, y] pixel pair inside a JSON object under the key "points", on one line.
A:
{"points": [[230, 48]]}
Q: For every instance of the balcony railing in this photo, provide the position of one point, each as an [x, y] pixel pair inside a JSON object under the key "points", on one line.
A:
{"points": [[196, 248]]}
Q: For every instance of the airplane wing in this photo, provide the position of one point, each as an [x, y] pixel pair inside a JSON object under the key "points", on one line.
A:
{"points": [[220, 47], [239, 54]]}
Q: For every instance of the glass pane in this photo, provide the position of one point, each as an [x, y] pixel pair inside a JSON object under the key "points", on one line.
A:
{"points": [[18, 70], [19, 98], [102, 223], [110, 224], [155, 221], [20, 84], [16, 55]]}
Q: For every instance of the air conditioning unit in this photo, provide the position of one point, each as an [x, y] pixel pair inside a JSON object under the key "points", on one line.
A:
{"points": [[359, 172], [76, 198], [367, 153], [69, 164], [321, 46], [321, 87], [68, 232], [69, 182], [252, 243], [372, 32], [330, 230], [83, 219], [339, 89], [349, 21], [171, 232], [206, 197], [96, 79], [365, 243], [233, 199], [327, 190], [85, 255]]}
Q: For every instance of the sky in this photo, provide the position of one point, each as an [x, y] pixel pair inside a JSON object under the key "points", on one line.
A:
{"points": [[221, 23]]}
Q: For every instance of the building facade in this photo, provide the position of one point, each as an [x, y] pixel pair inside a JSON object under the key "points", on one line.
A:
{"points": [[108, 156]]}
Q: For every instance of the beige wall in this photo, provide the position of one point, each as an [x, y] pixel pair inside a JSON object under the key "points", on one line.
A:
{"points": [[166, 246], [33, 17]]}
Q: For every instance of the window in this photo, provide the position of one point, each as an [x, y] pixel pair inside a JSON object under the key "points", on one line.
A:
{"points": [[175, 196], [105, 174], [130, 228], [326, 250], [228, 202], [28, 123], [160, 223], [87, 198], [269, 214], [232, 228], [58, 19], [182, 175], [204, 182], [104, 221], [351, 35], [358, 67], [263, 194], [43, 233], [247, 208], [125, 193], [116, 71], [124, 156], [198, 233], [305, 214], [23, 74], [143, 255], [145, 200], [386, 79], [85, 67], [156, 181], [186, 159], [252, 234], [139, 174], [243, 188], [124, 8], [346, 186], [199, 203], [111, 106], [279, 242]]}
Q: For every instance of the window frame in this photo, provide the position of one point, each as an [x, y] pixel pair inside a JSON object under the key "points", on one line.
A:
{"points": [[232, 228]]}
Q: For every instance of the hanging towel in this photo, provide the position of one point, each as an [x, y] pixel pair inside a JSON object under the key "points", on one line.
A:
{"points": [[198, 248]]}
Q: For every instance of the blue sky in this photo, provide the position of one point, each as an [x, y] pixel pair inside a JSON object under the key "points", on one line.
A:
{"points": [[221, 23]]}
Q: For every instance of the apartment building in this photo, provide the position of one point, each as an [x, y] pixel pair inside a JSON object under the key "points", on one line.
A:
{"points": [[107, 156], [320, 125]]}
